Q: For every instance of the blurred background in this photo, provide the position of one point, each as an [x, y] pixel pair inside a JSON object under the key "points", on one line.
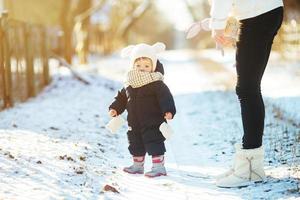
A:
{"points": [[66, 54], [34, 32]]}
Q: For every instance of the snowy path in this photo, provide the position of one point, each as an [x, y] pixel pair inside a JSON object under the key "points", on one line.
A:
{"points": [[206, 125], [55, 146]]}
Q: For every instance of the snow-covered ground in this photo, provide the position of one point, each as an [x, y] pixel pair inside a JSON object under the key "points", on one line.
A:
{"points": [[55, 146]]}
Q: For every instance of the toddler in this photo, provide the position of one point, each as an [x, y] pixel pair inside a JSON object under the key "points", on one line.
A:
{"points": [[149, 103]]}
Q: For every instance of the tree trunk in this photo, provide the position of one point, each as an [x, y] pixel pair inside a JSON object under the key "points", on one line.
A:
{"points": [[81, 32], [29, 62], [67, 27], [45, 57], [6, 66], [2, 72]]}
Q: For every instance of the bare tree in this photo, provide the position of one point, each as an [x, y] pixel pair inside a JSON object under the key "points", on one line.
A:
{"points": [[191, 10], [81, 30], [130, 20], [67, 27]]}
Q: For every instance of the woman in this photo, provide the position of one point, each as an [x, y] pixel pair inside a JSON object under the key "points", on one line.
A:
{"points": [[259, 23]]}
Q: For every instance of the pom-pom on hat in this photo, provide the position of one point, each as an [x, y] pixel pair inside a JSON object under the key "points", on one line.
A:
{"points": [[143, 50]]}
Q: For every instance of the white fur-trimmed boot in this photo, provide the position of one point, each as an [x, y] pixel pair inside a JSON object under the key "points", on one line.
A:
{"points": [[248, 168], [237, 146], [137, 167]]}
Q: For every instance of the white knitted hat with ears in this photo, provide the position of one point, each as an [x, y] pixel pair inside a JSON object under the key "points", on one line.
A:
{"points": [[143, 50]]}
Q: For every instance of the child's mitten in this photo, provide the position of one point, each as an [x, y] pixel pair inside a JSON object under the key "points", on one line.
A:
{"points": [[196, 27], [231, 30], [166, 130], [115, 124]]}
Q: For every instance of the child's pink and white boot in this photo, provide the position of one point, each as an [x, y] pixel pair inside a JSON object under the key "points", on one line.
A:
{"points": [[158, 168], [137, 167]]}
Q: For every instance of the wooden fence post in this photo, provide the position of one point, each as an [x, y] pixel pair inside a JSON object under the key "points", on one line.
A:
{"points": [[8, 100], [2, 83], [29, 62], [45, 57]]}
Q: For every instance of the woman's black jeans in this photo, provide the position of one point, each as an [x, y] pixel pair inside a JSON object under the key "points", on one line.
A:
{"points": [[253, 50]]}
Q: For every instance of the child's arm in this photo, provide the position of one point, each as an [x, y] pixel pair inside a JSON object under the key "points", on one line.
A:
{"points": [[118, 106], [165, 100]]}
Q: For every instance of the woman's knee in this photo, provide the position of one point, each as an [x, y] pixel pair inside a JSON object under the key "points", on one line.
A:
{"points": [[244, 91]]}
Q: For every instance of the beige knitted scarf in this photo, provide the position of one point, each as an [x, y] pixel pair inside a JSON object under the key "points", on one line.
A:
{"points": [[138, 79]]}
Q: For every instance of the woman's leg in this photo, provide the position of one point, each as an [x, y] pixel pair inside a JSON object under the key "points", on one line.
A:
{"points": [[253, 50]]}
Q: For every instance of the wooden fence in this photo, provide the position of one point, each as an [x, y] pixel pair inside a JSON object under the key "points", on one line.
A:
{"points": [[24, 59]]}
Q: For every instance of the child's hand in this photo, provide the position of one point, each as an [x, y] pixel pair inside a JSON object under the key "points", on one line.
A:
{"points": [[113, 113], [168, 116]]}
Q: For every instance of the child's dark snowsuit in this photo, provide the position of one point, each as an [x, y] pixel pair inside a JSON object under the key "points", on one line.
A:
{"points": [[146, 107]]}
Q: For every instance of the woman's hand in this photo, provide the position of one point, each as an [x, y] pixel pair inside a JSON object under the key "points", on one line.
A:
{"points": [[113, 113], [220, 38], [168, 116]]}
